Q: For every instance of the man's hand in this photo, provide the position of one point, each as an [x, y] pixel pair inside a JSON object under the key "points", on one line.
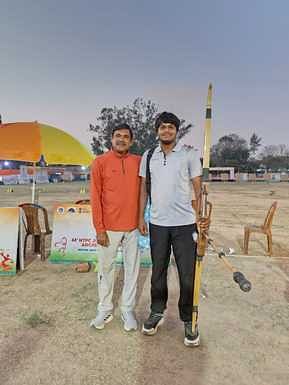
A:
{"points": [[142, 226], [203, 223], [102, 239]]}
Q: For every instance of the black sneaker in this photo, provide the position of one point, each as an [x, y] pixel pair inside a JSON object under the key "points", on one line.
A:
{"points": [[191, 339], [150, 327]]}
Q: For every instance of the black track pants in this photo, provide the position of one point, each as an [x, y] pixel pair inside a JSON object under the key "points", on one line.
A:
{"points": [[180, 238]]}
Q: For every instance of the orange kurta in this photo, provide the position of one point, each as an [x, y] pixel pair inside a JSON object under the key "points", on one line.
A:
{"points": [[114, 191]]}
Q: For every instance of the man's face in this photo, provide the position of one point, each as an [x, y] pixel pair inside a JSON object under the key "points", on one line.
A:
{"points": [[167, 133], [121, 141]]}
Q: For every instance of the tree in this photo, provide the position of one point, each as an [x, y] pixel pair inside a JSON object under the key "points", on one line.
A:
{"points": [[141, 116], [275, 150], [255, 143], [275, 157], [230, 151]]}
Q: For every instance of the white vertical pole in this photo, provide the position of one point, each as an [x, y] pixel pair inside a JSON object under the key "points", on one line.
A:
{"points": [[34, 182]]}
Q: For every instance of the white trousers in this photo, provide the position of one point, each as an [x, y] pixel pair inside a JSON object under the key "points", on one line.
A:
{"points": [[131, 262]]}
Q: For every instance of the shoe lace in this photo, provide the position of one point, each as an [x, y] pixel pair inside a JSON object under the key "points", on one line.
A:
{"points": [[156, 315]]}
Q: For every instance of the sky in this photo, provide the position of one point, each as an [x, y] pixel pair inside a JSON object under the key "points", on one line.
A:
{"points": [[61, 62]]}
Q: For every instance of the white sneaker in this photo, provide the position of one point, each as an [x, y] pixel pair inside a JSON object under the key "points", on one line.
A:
{"points": [[129, 321], [102, 318]]}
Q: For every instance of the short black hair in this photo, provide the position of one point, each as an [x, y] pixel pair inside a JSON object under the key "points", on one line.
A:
{"points": [[122, 126], [167, 117]]}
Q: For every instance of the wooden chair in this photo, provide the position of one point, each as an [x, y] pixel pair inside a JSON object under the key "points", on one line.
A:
{"points": [[33, 227], [82, 202], [266, 229]]}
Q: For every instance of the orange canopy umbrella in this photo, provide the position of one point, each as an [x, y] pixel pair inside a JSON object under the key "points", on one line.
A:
{"points": [[27, 141]]}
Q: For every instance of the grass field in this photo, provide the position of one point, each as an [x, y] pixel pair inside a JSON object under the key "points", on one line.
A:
{"points": [[45, 310]]}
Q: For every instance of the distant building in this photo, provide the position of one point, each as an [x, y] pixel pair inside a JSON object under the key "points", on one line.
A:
{"points": [[222, 174]]}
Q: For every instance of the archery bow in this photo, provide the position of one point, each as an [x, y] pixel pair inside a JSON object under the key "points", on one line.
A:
{"points": [[205, 211]]}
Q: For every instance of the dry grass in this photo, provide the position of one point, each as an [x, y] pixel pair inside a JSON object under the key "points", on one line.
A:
{"points": [[45, 311]]}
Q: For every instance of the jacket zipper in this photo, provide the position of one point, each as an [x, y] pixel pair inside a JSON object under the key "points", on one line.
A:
{"points": [[165, 159], [123, 169]]}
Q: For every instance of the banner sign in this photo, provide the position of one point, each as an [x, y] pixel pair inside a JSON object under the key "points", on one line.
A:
{"points": [[9, 232], [74, 237]]}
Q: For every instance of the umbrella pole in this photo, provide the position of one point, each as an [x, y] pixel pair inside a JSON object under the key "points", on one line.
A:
{"points": [[33, 183], [36, 241]]}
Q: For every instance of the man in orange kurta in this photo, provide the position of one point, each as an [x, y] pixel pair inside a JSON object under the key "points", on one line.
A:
{"points": [[114, 200]]}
